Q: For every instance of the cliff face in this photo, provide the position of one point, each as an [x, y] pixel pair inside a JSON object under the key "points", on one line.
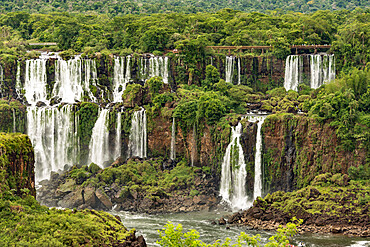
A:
{"points": [[16, 163], [297, 148]]}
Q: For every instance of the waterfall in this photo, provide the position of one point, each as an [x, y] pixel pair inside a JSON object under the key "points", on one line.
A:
{"points": [[70, 85], [53, 133], [293, 72], [239, 65], [322, 69], [138, 137], [14, 124], [99, 142], [229, 66], [121, 76], [35, 81], [117, 151], [158, 66], [258, 158], [173, 140], [18, 83], [194, 145], [233, 173], [1, 80]]}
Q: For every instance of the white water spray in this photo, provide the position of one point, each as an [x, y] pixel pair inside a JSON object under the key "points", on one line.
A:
{"points": [[53, 133], [293, 72], [173, 140], [258, 157], [229, 67], [138, 137], [35, 81], [99, 143], [233, 174]]}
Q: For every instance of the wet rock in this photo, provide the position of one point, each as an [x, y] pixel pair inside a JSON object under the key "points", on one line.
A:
{"points": [[222, 221]]}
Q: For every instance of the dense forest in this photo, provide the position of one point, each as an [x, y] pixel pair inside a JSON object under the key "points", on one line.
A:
{"points": [[347, 32], [315, 136], [189, 6]]}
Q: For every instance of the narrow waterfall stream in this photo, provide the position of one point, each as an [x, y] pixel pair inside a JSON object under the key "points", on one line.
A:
{"points": [[118, 141], [14, 123], [233, 175], [258, 157], [229, 67], [53, 133], [194, 145], [138, 136], [99, 143], [239, 69], [173, 140], [293, 72]]}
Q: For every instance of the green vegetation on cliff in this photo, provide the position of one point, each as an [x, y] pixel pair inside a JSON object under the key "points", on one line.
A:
{"points": [[25, 223]]}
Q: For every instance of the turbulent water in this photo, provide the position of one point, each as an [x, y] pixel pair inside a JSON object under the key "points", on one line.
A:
{"points": [[99, 142], [53, 133], [293, 72], [148, 226], [173, 140], [138, 136], [118, 141], [233, 174]]}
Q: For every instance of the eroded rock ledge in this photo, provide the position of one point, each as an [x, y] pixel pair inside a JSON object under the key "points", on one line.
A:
{"points": [[146, 186], [332, 204]]}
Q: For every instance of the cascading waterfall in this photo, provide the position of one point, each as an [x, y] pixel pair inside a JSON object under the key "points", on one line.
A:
{"points": [[1, 80], [122, 75], [229, 67], [173, 140], [293, 72], [70, 85], [258, 157], [18, 83], [35, 81], [138, 137], [118, 145], [158, 66], [239, 66], [329, 68], [99, 142], [194, 145], [322, 69], [233, 173], [53, 133], [14, 123]]}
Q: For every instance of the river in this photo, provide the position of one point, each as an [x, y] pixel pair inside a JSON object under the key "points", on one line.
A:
{"points": [[148, 226]]}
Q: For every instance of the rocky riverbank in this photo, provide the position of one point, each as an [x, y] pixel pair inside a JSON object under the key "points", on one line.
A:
{"points": [[145, 186], [332, 204]]}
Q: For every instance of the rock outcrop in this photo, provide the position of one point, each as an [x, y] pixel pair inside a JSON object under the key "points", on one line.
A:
{"points": [[16, 164]]}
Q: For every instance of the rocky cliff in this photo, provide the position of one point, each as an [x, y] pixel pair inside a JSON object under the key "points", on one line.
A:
{"points": [[16, 164], [297, 148]]}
